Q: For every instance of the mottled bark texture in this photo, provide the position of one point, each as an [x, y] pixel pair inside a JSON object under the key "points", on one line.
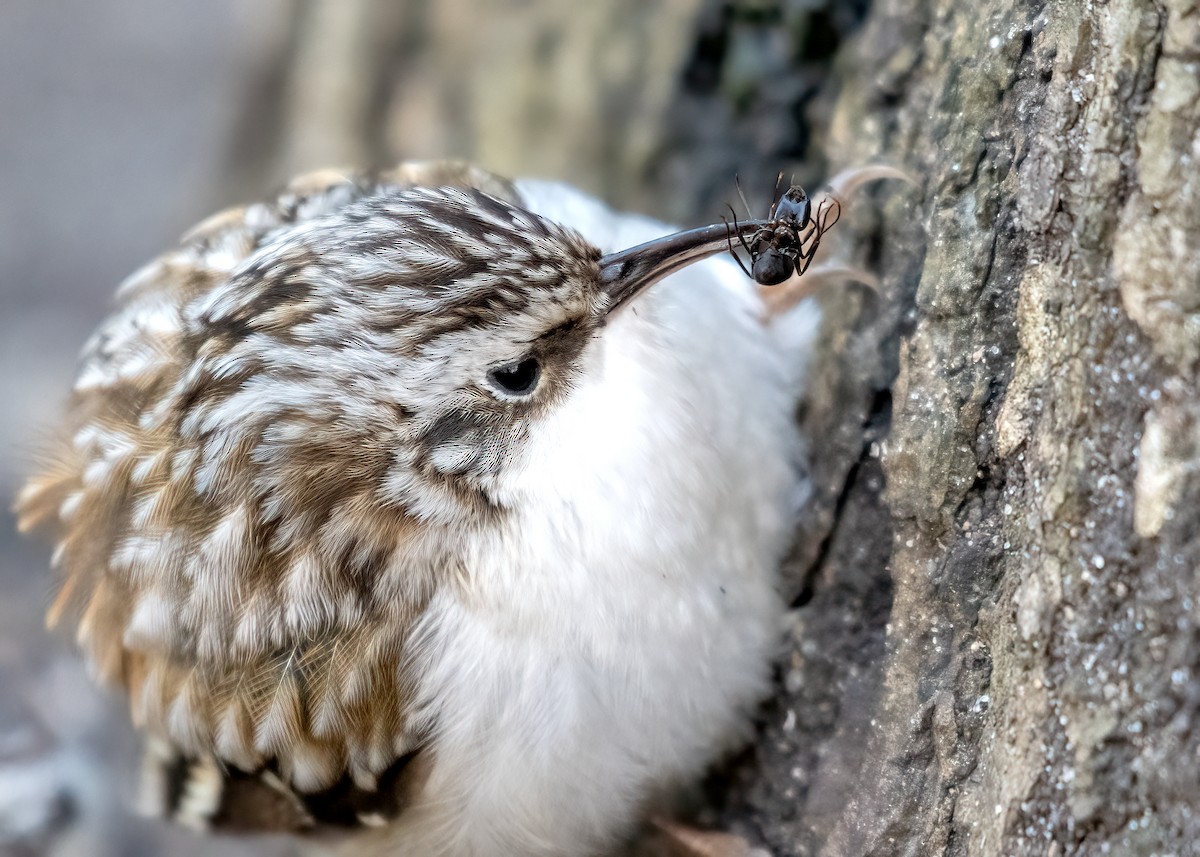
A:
{"points": [[1035, 499], [995, 645]]}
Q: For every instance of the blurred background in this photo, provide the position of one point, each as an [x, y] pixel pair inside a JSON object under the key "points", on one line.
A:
{"points": [[122, 123]]}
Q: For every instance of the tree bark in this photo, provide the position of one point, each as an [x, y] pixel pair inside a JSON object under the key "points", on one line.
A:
{"points": [[994, 647], [1032, 687]]}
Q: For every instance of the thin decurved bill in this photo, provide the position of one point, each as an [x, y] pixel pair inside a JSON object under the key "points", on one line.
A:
{"points": [[627, 273]]}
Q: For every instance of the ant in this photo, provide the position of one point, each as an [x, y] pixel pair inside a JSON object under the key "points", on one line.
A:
{"points": [[788, 243]]}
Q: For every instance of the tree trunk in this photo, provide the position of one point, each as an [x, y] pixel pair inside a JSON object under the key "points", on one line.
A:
{"points": [[994, 648], [1031, 689]]}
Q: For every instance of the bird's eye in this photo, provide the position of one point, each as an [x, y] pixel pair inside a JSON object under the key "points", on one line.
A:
{"points": [[516, 379]]}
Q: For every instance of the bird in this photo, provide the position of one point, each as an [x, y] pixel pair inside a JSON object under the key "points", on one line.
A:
{"points": [[430, 510]]}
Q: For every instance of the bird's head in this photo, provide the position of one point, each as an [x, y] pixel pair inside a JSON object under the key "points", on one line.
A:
{"points": [[405, 345], [405, 342]]}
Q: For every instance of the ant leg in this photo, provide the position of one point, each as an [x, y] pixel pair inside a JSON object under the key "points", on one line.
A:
{"points": [[827, 205], [742, 238], [806, 247], [792, 251], [807, 250], [729, 241], [803, 259], [811, 239]]}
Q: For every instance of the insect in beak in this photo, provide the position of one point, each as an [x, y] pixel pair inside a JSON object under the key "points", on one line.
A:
{"points": [[787, 245], [627, 273], [779, 245]]}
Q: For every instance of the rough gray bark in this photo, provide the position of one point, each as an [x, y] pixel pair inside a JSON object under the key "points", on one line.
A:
{"points": [[1034, 502]]}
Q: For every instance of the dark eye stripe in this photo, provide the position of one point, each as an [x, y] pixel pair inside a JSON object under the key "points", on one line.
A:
{"points": [[564, 329]]}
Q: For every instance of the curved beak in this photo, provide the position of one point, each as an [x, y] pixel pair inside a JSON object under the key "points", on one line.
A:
{"points": [[627, 273]]}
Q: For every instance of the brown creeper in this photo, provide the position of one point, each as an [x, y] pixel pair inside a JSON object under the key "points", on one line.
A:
{"points": [[396, 503]]}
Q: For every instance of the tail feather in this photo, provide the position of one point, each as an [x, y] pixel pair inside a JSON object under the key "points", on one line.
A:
{"points": [[202, 794]]}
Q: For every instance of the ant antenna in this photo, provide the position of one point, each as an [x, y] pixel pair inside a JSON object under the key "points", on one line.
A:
{"points": [[775, 196], [737, 180]]}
